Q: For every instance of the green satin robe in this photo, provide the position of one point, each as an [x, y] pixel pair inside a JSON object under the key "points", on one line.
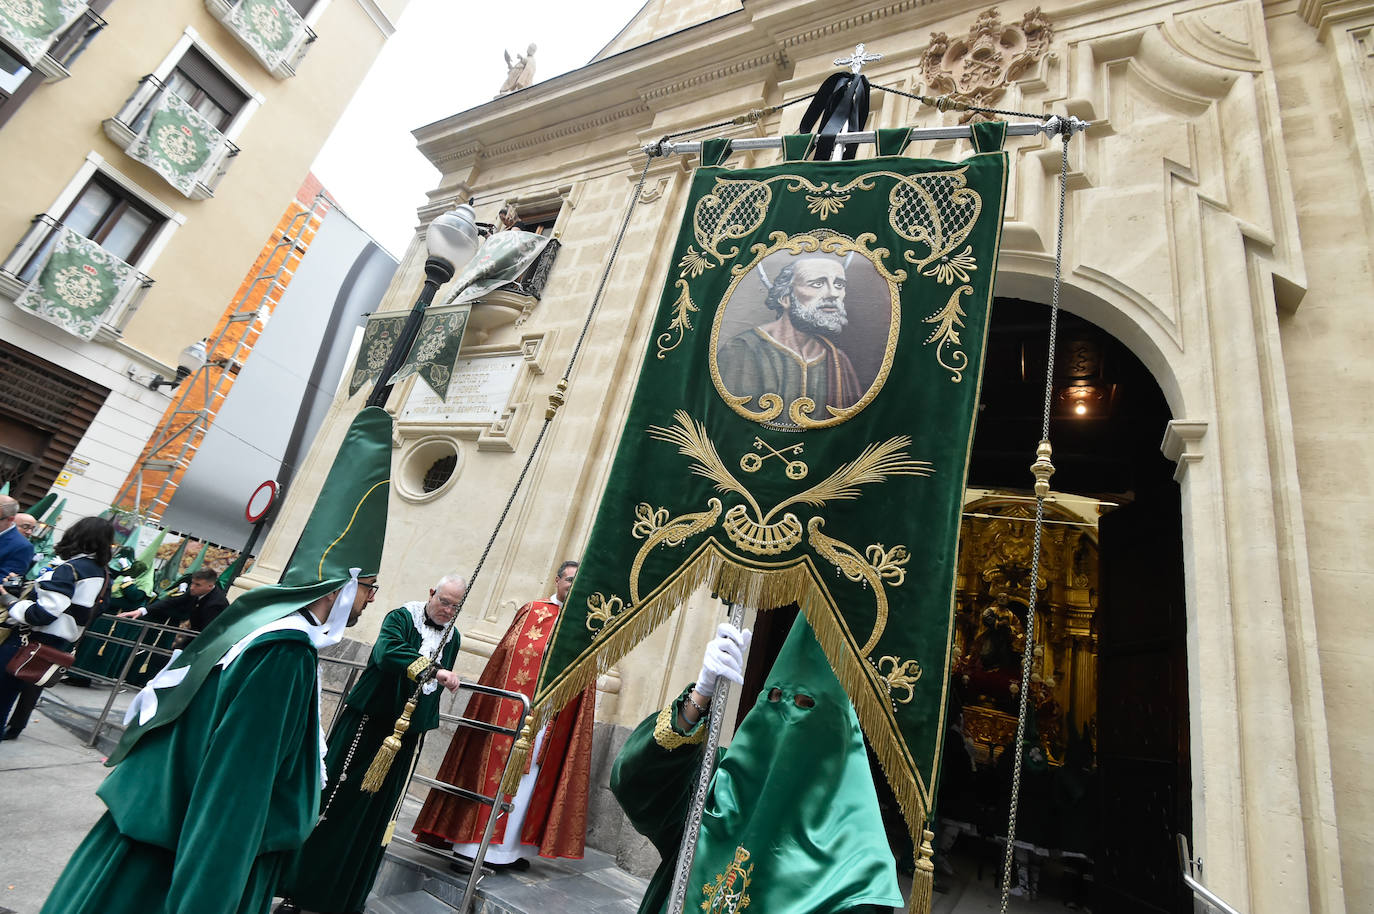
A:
{"points": [[793, 791], [205, 811], [335, 869]]}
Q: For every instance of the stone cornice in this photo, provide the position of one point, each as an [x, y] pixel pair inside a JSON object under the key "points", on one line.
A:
{"points": [[1323, 14], [568, 129]]}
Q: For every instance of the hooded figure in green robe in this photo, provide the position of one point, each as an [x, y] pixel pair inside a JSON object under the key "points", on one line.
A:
{"points": [[791, 824], [217, 778]]}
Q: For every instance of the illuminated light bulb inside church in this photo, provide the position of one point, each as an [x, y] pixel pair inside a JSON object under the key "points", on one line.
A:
{"points": [[1080, 409]]}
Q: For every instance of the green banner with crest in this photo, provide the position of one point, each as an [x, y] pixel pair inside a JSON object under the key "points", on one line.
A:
{"points": [[177, 143], [801, 428], [77, 286]]}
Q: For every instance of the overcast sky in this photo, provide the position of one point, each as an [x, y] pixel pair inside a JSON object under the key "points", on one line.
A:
{"points": [[444, 58]]}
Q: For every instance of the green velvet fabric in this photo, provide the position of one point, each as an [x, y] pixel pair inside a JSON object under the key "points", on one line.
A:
{"points": [[793, 791], [797, 146], [845, 500], [202, 813], [892, 140], [335, 869], [715, 152]]}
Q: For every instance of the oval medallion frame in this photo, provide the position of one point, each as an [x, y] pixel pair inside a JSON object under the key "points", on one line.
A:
{"points": [[771, 410]]}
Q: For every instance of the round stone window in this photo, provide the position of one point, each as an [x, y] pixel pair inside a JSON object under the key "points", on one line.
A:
{"points": [[427, 468]]}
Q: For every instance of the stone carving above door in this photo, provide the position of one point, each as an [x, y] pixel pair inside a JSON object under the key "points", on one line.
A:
{"points": [[977, 68]]}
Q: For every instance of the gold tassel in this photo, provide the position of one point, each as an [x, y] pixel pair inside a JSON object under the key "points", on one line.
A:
{"points": [[386, 754], [923, 880], [518, 753]]}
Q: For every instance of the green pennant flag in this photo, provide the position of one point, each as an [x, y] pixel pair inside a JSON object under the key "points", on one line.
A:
{"points": [[268, 27], [436, 347], [55, 514], [77, 285], [379, 337], [29, 27], [229, 575], [501, 259], [147, 581], [171, 569], [177, 142], [800, 432]]}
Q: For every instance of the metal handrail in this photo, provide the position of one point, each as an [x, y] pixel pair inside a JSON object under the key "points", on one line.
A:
{"points": [[1186, 863]]}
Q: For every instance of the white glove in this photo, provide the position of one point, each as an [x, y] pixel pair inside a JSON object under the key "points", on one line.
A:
{"points": [[724, 657]]}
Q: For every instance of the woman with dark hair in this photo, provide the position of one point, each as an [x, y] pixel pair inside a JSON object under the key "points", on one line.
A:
{"points": [[65, 599]]}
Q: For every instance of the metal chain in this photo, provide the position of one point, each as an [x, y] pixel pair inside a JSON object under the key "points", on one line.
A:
{"points": [[347, 766], [945, 103], [1028, 654]]}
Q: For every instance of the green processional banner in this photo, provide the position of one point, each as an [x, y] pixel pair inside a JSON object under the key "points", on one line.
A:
{"points": [[801, 428], [29, 27], [77, 285], [268, 27], [178, 142]]}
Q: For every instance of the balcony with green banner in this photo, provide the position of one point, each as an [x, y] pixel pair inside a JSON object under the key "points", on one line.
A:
{"points": [[76, 284], [29, 27], [158, 128], [271, 29]]}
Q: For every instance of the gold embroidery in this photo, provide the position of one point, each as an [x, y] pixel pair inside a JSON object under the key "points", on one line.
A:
{"points": [[957, 267], [521, 677], [855, 567], [948, 320], [417, 666], [529, 652], [542, 613], [536, 633], [649, 520], [759, 534], [937, 209], [681, 322], [729, 212], [729, 893], [795, 469], [670, 739], [602, 609], [826, 203], [902, 674], [801, 411]]}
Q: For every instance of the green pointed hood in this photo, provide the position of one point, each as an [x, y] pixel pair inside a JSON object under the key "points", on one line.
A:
{"points": [[149, 559], [793, 814], [171, 569], [346, 530], [55, 514], [42, 505]]}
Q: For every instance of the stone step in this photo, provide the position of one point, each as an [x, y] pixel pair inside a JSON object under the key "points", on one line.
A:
{"points": [[409, 903]]}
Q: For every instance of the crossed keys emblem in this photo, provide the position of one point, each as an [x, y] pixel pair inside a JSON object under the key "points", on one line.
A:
{"points": [[795, 469]]}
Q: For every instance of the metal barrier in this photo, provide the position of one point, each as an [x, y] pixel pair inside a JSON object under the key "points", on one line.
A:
{"points": [[147, 642], [1190, 868], [499, 807]]}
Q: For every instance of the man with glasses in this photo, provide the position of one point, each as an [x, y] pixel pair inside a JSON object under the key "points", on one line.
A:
{"points": [[16, 552], [335, 869]]}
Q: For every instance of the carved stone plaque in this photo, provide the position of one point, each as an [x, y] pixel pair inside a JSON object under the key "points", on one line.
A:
{"points": [[478, 394]]}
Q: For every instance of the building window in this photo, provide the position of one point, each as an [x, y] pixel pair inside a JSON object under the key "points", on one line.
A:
{"points": [[18, 81], [109, 215], [199, 83], [439, 472]]}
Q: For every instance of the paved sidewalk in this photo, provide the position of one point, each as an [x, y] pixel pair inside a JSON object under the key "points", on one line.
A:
{"points": [[48, 779]]}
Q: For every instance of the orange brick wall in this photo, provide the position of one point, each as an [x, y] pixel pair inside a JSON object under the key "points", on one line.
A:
{"points": [[261, 291]]}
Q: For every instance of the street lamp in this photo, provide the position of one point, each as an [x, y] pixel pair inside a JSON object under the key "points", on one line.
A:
{"points": [[452, 240], [191, 360]]}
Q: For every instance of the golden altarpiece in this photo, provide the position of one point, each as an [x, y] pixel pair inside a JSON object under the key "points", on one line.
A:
{"points": [[996, 539]]}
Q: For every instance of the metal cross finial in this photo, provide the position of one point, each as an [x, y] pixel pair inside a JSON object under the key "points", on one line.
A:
{"points": [[856, 62]]}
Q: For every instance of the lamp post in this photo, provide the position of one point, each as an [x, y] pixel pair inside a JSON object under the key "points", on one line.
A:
{"points": [[451, 240], [191, 360]]}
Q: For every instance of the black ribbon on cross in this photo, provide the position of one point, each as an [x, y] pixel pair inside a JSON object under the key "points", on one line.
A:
{"points": [[839, 106]]}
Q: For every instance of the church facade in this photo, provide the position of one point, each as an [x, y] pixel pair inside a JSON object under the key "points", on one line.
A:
{"points": [[1217, 230]]}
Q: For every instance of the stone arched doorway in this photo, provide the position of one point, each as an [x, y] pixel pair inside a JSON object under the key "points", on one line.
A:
{"points": [[1109, 784]]}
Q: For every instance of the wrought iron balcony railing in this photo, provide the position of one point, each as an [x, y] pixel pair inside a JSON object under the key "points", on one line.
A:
{"points": [[29, 256], [281, 63], [126, 126], [56, 64]]}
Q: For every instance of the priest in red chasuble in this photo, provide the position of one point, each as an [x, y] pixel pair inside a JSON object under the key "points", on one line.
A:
{"points": [[549, 817]]}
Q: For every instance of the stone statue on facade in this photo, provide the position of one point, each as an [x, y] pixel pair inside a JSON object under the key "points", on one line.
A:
{"points": [[519, 72]]}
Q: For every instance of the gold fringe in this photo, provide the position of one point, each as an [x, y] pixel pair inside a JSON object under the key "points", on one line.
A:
{"points": [[762, 587], [386, 753], [515, 763], [923, 880]]}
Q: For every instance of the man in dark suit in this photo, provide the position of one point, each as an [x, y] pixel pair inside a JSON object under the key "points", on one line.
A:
{"points": [[16, 552], [194, 608]]}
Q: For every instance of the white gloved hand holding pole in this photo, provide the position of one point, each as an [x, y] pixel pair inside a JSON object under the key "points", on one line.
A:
{"points": [[724, 657]]}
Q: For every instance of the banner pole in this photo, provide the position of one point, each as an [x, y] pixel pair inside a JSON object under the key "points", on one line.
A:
{"points": [[708, 768]]}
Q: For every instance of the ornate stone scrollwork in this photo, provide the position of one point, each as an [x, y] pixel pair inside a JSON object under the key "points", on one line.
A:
{"points": [[977, 68]]}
